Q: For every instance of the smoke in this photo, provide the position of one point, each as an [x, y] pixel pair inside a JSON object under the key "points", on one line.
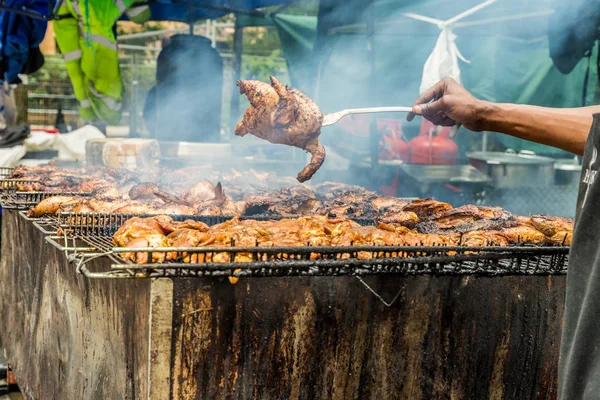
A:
{"points": [[506, 43]]}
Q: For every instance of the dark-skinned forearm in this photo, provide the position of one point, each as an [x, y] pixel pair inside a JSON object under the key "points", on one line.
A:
{"points": [[564, 128]]}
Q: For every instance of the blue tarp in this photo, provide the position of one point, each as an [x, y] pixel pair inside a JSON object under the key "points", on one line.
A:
{"points": [[195, 10], [163, 10], [18, 35]]}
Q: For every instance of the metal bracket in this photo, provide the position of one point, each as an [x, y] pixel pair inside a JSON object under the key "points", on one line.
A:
{"points": [[370, 289]]}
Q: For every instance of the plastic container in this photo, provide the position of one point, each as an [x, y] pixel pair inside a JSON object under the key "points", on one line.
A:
{"points": [[131, 153], [93, 152]]}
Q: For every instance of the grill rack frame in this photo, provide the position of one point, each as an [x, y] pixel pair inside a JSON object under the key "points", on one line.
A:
{"points": [[18, 200], [83, 242], [12, 183], [5, 172]]}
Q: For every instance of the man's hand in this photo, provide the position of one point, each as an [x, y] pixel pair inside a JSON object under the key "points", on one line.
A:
{"points": [[448, 103]]}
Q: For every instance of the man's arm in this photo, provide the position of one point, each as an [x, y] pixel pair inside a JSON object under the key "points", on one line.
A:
{"points": [[448, 103]]}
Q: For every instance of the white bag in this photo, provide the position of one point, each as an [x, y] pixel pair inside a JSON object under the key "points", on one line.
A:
{"points": [[443, 61]]}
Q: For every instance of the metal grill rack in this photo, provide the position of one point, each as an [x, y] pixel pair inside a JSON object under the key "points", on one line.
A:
{"points": [[8, 184], [16, 200], [5, 172], [104, 224], [84, 237]]}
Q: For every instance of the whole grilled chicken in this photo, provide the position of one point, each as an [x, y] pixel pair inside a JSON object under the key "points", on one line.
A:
{"points": [[283, 115]]}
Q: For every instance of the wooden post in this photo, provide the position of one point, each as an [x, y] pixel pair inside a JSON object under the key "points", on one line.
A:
{"points": [[160, 324], [21, 103], [238, 36]]}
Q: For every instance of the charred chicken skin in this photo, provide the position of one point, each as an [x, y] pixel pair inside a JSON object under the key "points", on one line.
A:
{"points": [[161, 231], [325, 211], [283, 115]]}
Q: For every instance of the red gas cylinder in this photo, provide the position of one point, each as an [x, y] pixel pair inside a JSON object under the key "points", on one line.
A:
{"points": [[421, 146], [392, 145], [443, 149]]}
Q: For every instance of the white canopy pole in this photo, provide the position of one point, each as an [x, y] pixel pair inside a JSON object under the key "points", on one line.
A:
{"points": [[503, 19], [423, 18], [469, 12]]}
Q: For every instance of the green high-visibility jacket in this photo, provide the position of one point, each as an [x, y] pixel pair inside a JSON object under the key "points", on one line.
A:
{"points": [[89, 48]]}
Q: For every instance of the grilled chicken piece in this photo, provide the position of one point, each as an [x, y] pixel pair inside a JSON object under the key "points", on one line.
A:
{"points": [[108, 194], [137, 227], [82, 208], [295, 206], [468, 214], [94, 185], [283, 115], [524, 234], [262, 203], [187, 237], [65, 181], [428, 208], [22, 171], [562, 238], [199, 192], [416, 239], [144, 232], [134, 208], [103, 206], [155, 240], [391, 203], [144, 190], [333, 189], [352, 203], [31, 187], [52, 204], [483, 238], [378, 237], [394, 228], [211, 205], [177, 209], [191, 224], [550, 226], [404, 218]]}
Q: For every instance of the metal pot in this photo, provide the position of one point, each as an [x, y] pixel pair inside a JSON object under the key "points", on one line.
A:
{"points": [[510, 170], [567, 172]]}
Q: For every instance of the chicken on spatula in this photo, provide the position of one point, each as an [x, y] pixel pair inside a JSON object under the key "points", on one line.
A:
{"points": [[283, 115]]}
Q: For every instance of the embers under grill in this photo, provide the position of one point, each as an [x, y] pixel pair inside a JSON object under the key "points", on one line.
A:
{"points": [[87, 236]]}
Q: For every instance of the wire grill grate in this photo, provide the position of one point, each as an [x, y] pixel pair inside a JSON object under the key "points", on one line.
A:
{"points": [[88, 236], [17, 200], [5, 172]]}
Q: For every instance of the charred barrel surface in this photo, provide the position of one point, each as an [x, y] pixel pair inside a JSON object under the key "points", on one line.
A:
{"points": [[272, 338], [302, 338], [67, 337]]}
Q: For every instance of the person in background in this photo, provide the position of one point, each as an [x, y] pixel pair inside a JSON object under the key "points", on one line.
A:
{"points": [[185, 103], [576, 130]]}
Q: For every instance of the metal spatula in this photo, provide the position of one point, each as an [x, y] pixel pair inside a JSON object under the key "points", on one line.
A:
{"points": [[332, 118]]}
